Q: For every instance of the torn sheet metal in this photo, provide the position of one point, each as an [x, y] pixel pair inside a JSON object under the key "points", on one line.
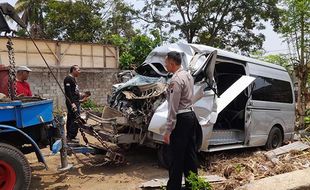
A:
{"points": [[147, 91]]}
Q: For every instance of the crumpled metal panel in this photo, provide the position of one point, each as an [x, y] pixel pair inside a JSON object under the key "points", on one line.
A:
{"points": [[204, 107], [147, 91]]}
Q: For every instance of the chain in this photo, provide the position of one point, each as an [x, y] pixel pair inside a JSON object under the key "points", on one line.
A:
{"points": [[12, 71], [92, 162], [111, 155], [107, 158]]}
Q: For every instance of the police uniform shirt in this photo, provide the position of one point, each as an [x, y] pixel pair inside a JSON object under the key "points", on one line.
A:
{"points": [[71, 89], [180, 92]]}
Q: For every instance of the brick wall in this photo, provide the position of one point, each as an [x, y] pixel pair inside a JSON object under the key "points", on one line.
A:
{"points": [[97, 81]]}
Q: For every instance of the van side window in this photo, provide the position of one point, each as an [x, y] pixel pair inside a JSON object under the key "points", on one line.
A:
{"points": [[272, 90]]}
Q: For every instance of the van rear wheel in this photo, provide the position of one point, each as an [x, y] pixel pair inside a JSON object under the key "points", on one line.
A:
{"points": [[275, 138]]}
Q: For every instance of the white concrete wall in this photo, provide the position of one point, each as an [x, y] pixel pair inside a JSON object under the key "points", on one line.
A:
{"points": [[60, 54]]}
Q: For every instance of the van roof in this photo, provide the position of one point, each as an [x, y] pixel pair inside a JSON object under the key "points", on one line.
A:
{"points": [[190, 49], [232, 55]]}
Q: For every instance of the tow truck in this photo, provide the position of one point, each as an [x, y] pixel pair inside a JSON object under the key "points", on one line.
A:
{"points": [[27, 124]]}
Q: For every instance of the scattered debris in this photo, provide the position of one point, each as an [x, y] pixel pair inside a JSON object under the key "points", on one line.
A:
{"points": [[242, 167], [299, 146]]}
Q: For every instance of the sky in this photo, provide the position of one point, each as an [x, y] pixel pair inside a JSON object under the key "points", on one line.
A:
{"points": [[273, 43]]}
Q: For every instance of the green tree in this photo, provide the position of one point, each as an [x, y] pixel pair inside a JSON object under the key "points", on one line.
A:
{"points": [[32, 14], [296, 32], [142, 45], [218, 23], [118, 19], [125, 58], [80, 21], [134, 51]]}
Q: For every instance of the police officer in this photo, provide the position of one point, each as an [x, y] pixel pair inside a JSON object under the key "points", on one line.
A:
{"points": [[181, 123]]}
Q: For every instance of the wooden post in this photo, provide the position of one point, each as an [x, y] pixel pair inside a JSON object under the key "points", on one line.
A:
{"points": [[81, 55], [104, 57]]}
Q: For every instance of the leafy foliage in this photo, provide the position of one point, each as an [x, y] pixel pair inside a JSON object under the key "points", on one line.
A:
{"points": [[118, 19], [224, 24], [32, 14], [218, 23], [91, 105], [92, 21], [197, 183], [80, 21], [307, 118], [296, 32], [133, 52]]}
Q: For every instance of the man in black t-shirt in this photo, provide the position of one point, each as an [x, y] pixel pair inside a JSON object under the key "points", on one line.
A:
{"points": [[73, 101]]}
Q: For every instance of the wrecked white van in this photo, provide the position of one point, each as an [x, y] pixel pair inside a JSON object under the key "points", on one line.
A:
{"points": [[239, 101]]}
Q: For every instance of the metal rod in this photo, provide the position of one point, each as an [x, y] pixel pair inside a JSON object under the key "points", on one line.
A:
{"points": [[48, 66], [63, 151]]}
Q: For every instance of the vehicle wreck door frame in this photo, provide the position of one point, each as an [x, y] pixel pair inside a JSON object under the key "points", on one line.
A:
{"points": [[207, 68], [206, 72]]}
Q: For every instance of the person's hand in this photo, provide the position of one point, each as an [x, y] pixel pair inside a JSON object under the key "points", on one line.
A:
{"points": [[87, 94], [167, 137], [74, 108], [20, 95], [84, 99]]}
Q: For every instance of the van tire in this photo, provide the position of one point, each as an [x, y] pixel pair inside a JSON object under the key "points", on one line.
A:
{"points": [[13, 160], [163, 156], [275, 139]]}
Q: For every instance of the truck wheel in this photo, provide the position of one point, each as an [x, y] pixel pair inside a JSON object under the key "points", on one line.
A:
{"points": [[15, 172], [163, 156], [275, 138]]}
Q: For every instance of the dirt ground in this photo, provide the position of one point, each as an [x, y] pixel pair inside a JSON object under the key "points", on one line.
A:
{"points": [[238, 167], [142, 166]]}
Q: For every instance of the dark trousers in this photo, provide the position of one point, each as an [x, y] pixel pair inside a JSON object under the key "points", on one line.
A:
{"points": [[182, 150], [71, 126]]}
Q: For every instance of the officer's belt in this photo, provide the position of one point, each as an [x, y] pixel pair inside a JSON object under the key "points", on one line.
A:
{"points": [[190, 109]]}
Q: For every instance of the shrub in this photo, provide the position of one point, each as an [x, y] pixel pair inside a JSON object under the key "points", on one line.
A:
{"points": [[197, 183]]}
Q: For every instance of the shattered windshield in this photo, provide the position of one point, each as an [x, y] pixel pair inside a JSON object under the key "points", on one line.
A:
{"points": [[141, 80]]}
